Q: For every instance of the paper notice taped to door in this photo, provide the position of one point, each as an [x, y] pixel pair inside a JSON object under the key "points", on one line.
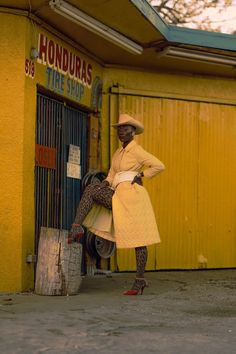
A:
{"points": [[73, 170], [74, 154]]}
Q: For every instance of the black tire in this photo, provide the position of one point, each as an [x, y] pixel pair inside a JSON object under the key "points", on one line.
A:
{"points": [[98, 247]]}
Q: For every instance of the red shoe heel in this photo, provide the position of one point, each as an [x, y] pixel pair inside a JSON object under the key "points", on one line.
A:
{"points": [[131, 292], [76, 233], [139, 285]]}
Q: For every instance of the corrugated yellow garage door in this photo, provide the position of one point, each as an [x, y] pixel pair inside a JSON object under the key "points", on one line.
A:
{"points": [[195, 198]]}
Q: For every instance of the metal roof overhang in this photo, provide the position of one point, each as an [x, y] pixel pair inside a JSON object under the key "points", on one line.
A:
{"points": [[139, 22]]}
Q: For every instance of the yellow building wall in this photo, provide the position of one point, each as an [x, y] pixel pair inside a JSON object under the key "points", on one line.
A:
{"points": [[217, 184], [18, 99], [195, 198], [12, 32]]}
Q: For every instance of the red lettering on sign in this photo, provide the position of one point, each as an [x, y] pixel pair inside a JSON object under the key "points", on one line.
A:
{"points": [[43, 47], [45, 156], [58, 56], [78, 67], [51, 52], [89, 74], [84, 72], [65, 58], [71, 64]]}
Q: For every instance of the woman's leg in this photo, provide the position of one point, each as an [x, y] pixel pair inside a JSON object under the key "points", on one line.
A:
{"points": [[140, 283], [93, 193], [141, 260]]}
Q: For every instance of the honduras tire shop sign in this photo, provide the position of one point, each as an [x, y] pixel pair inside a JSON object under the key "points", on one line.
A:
{"points": [[66, 72]]}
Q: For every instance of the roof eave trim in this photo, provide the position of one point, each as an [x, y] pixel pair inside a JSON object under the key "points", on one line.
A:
{"points": [[201, 38], [183, 35], [152, 16]]}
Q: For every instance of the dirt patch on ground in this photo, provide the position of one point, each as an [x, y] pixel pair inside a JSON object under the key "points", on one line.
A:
{"points": [[181, 312]]}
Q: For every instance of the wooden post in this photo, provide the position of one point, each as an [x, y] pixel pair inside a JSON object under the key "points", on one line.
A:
{"points": [[59, 264]]}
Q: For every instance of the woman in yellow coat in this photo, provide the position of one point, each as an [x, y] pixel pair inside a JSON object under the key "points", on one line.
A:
{"points": [[119, 209]]}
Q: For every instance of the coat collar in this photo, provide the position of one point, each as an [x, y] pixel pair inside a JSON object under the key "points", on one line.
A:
{"points": [[129, 146]]}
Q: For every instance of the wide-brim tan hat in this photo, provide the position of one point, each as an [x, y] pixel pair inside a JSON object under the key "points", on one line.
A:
{"points": [[125, 119]]}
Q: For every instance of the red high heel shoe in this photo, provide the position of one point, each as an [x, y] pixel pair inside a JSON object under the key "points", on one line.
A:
{"points": [[139, 285], [76, 233]]}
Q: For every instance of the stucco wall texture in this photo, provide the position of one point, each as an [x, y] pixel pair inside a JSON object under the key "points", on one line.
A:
{"points": [[12, 32]]}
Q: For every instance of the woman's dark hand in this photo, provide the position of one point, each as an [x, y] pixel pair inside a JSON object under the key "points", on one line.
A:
{"points": [[76, 233], [104, 183], [138, 179]]}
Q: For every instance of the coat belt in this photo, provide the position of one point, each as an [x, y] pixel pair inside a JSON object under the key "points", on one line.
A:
{"points": [[122, 177]]}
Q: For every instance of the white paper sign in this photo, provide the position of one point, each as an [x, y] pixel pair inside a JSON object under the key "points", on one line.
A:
{"points": [[74, 154], [73, 170]]}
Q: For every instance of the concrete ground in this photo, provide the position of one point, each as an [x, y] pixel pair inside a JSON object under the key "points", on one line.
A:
{"points": [[180, 313]]}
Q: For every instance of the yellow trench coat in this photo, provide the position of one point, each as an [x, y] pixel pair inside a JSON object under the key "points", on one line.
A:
{"points": [[131, 223]]}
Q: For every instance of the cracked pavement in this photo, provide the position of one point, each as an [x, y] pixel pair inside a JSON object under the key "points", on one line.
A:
{"points": [[182, 312]]}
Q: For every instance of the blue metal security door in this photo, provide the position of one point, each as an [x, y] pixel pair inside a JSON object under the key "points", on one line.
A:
{"points": [[56, 194]]}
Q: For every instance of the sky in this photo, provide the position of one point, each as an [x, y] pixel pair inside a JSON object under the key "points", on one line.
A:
{"points": [[226, 19]]}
